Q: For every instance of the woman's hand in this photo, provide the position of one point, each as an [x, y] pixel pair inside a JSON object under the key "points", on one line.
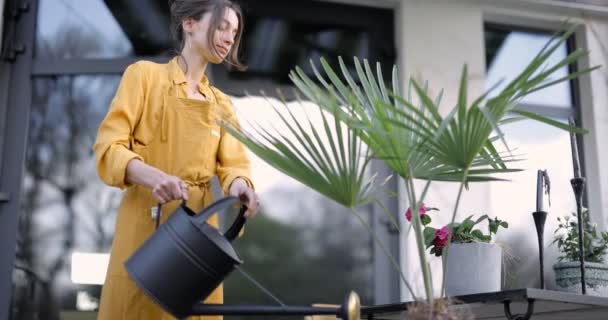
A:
{"points": [[164, 187], [169, 188], [240, 189]]}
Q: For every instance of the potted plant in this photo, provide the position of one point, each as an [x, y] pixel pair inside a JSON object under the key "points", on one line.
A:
{"points": [[363, 118], [472, 249], [595, 245]]}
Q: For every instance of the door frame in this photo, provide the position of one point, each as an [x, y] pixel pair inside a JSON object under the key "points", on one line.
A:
{"points": [[15, 102]]}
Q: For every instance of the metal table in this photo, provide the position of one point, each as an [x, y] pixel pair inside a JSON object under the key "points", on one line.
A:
{"points": [[519, 304]]}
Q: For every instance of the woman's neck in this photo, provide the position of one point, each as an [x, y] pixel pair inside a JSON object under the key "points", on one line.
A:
{"points": [[193, 65]]}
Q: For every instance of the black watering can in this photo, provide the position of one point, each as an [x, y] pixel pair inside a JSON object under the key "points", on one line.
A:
{"points": [[186, 259]]}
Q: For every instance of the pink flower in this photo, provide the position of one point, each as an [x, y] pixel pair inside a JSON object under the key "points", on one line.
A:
{"points": [[421, 211], [441, 237]]}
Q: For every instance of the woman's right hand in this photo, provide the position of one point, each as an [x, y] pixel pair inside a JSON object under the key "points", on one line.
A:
{"points": [[170, 188], [164, 187]]}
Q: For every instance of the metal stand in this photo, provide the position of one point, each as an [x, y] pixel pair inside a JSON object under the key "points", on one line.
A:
{"points": [[517, 304], [525, 316], [578, 186], [540, 216], [539, 220]]}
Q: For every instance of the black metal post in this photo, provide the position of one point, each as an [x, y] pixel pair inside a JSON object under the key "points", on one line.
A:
{"points": [[15, 104], [539, 220], [578, 186], [540, 216]]}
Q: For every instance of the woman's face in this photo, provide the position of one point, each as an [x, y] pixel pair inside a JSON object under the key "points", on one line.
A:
{"points": [[223, 36]]}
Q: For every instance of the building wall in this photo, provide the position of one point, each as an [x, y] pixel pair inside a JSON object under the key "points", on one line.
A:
{"points": [[594, 100], [435, 38]]}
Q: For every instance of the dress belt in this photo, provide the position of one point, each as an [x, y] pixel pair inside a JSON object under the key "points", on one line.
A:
{"points": [[206, 184]]}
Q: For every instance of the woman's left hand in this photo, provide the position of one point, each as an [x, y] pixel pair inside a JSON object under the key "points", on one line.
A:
{"points": [[240, 189]]}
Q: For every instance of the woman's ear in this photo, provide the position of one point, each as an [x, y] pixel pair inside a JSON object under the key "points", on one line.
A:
{"points": [[188, 25]]}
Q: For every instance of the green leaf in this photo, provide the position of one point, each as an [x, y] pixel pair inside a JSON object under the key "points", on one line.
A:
{"points": [[429, 236], [466, 225], [478, 235], [462, 95], [482, 218], [426, 219], [549, 121], [493, 226]]}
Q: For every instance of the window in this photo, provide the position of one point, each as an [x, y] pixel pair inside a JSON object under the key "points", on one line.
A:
{"points": [[542, 147], [280, 35], [82, 47], [87, 29]]}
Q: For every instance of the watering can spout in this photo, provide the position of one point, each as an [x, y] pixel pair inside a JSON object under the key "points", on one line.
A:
{"points": [[349, 310]]}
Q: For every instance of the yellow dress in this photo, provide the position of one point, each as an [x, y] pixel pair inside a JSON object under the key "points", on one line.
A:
{"points": [[151, 119]]}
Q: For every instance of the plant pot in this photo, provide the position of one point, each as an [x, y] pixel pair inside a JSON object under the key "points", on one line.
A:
{"points": [[568, 277], [440, 311], [473, 268]]}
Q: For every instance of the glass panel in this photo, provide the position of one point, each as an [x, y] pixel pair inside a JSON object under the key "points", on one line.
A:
{"points": [[273, 47], [79, 29], [508, 53], [302, 246], [542, 147], [101, 29], [66, 208]]}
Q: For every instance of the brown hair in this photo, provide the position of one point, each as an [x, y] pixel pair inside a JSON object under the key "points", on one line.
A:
{"points": [[184, 9]]}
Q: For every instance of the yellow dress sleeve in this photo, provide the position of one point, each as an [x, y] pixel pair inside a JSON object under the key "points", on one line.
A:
{"points": [[231, 156], [113, 144]]}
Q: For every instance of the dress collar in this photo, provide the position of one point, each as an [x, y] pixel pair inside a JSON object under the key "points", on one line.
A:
{"points": [[177, 75]]}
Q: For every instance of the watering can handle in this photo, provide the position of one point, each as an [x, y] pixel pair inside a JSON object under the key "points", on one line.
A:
{"points": [[237, 225], [222, 204]]}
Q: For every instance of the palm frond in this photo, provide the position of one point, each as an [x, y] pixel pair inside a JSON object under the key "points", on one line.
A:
{"points": [[327, 157]]}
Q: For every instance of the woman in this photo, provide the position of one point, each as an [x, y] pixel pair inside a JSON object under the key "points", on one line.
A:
{"points": [[162, 142]]}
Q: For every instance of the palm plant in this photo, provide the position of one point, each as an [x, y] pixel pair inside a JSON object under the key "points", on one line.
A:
{"points": [[408, 133], [330, 158]]}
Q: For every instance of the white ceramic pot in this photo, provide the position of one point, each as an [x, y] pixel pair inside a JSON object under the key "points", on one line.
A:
{"points": [[473, 268]]}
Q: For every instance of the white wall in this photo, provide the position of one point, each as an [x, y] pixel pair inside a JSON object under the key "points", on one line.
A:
{"points": [[594, 104], [435, 38]]}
